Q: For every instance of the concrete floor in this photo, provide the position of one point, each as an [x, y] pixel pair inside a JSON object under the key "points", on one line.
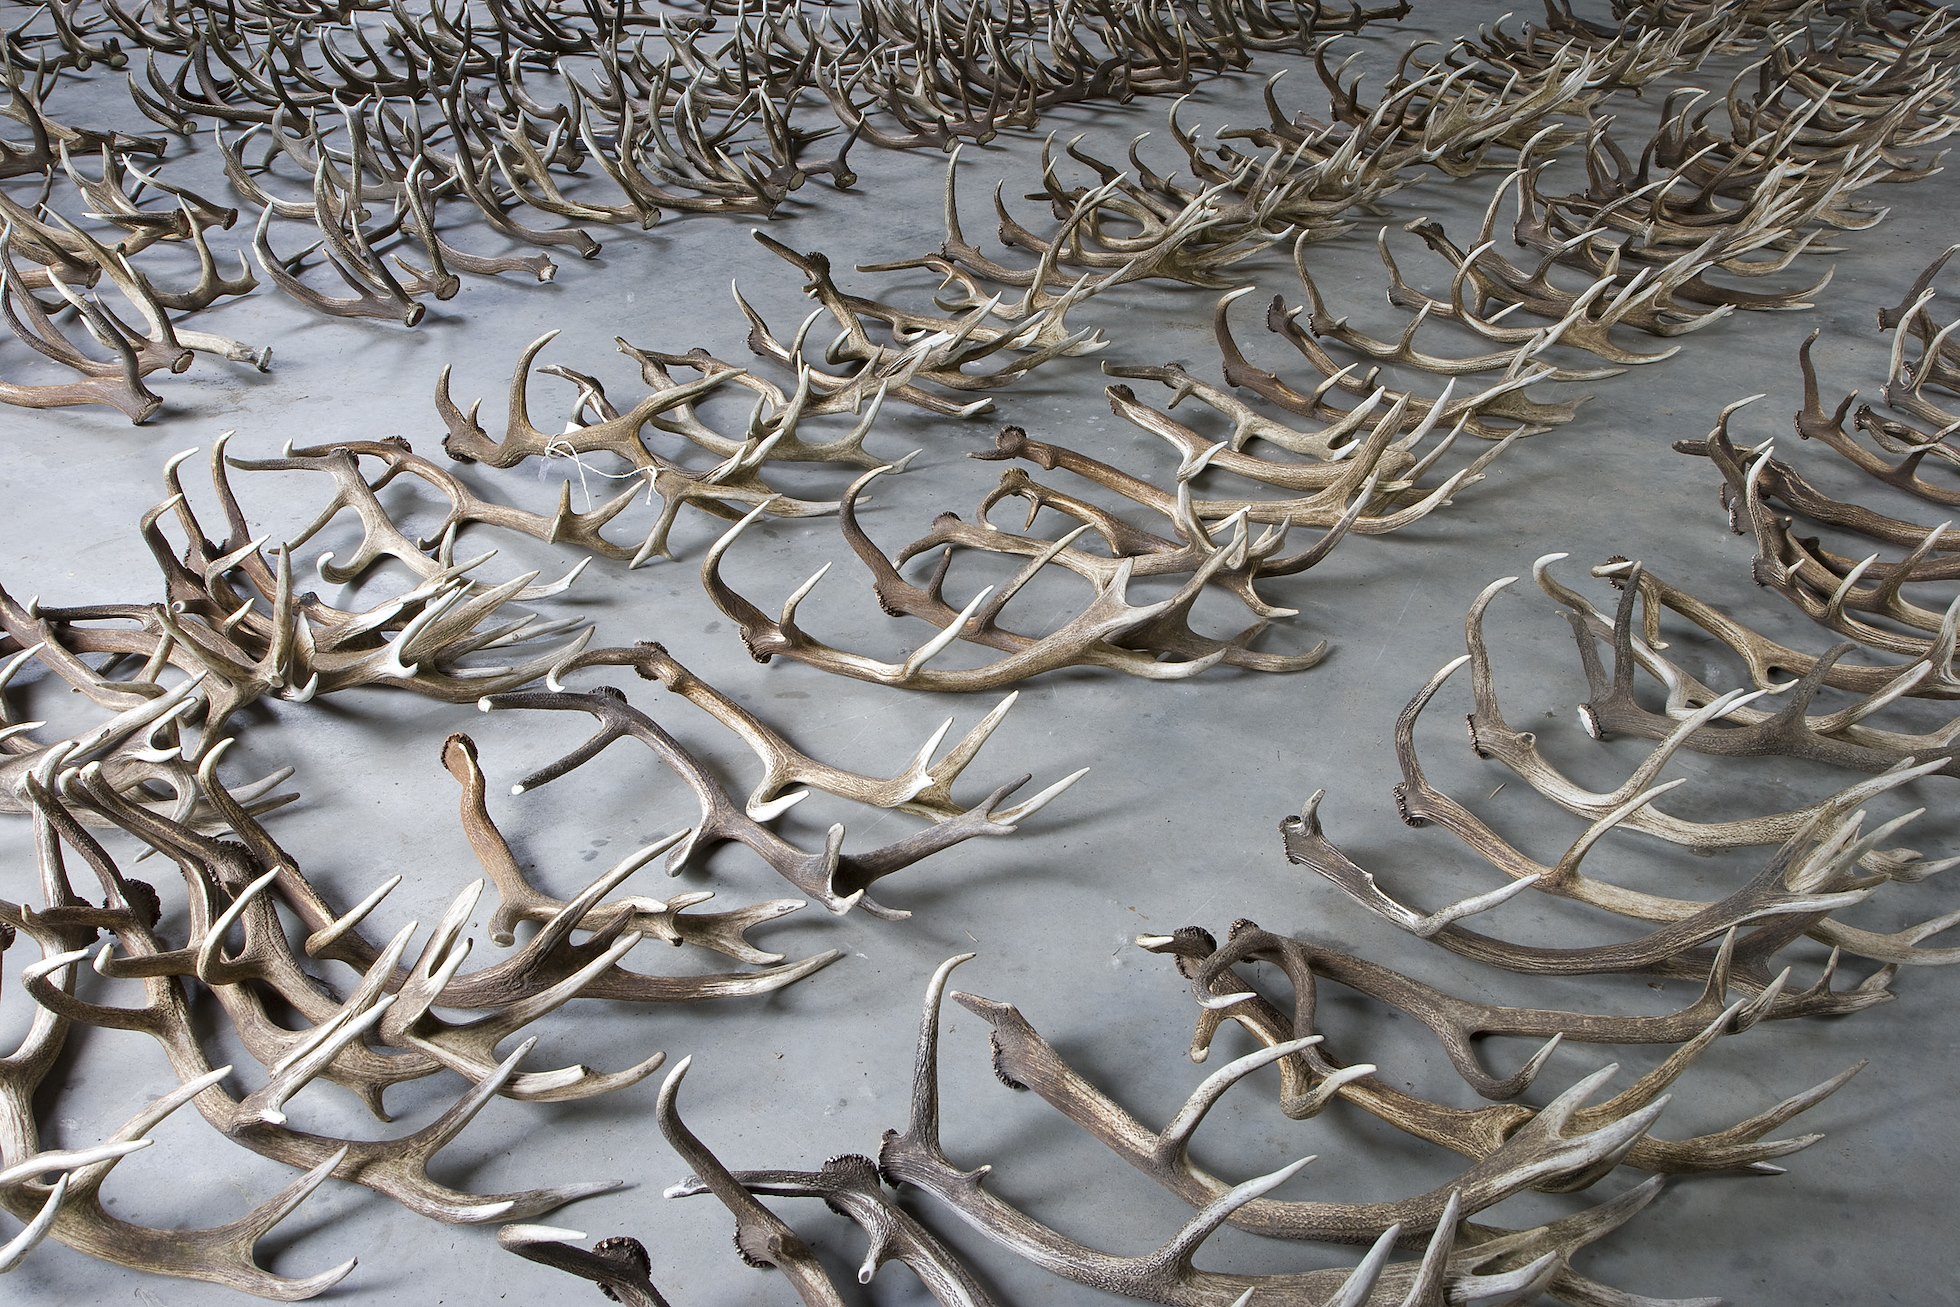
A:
{"points": [[1176, 824]]}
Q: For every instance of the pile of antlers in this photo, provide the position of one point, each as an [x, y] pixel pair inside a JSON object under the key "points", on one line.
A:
{"points": [[1879, 604], [1736, 949], [1461, 1260], [1825, 860], [382, 132], [1740, 951], [1361, 470], [1895, 659], [1653, 240], [248, 937], [370, 137]]}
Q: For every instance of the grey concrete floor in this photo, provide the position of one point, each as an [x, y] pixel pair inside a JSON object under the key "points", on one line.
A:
{"points": [[1176, 824]]}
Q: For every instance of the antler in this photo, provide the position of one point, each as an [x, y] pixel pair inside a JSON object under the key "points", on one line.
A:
{"points": [[914, 1156], [1314, 1076], [834, 878]]}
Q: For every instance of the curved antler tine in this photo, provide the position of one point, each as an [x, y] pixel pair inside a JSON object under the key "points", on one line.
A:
{"points": [[1434, 454], [1359, 1286], [1430, 417], [1483, 683], [11, 668], [1884, 831], [1176, 1255], [1174, 1141], [240, 1236], [1834, 606], [1761, 1006], [1521, 1079], [1722, 706], [1568, 863], [787, 618], [922, 1115], [1541, 575], [1311, 1102], [19, 729], [1184, 514], [854, 439], [323, 939], [1020, 812], [1893, 585], [567, 918], [1190, 465], [210, 950], [1427, 1287], [1431, 923], [15, 1250], [1520, 1285], [951, 632], [711, 564]]}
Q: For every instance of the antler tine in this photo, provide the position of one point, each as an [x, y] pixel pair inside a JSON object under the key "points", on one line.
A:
{"points": [[1359, 1286], [1029, 570], [921, 1130], [1175, 1138], [37, 1228], [1901, 947], [470, 1048], [1020, 812], [1174, 1258], [1578, 1145], [1529, 1280], [752, 620], [1565, 1237], [1428, 1285], [575, 913], [64, 1161], [1741, 1146], [935, 779]]}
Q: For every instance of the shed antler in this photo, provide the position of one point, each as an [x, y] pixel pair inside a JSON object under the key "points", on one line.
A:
{"points": [[834, 878], [1460, 1262]]}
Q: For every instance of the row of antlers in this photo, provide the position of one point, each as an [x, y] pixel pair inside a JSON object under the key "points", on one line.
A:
{"points": [[356, 121]]}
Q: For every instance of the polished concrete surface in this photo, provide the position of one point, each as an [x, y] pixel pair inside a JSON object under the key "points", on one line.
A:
{"points": [[1176, 824]]}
